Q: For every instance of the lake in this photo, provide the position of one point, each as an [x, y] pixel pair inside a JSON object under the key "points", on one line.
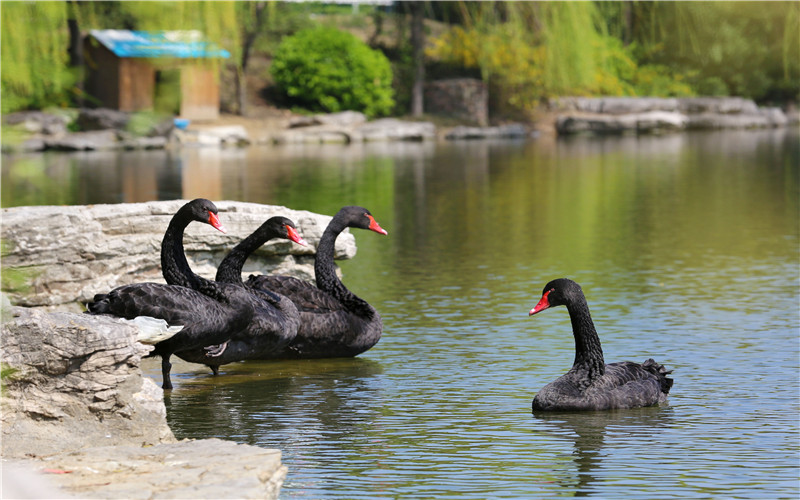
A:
{"points": [[687, 247]]}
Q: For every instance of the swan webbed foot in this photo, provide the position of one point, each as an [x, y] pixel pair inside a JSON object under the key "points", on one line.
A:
{"points": [[214, 351]]}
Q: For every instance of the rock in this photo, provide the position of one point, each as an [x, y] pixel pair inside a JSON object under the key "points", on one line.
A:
{"points": [[650, 121], [720, 105], [155, 142], [84, 141], [102, 119], [502, 131], [315, 135], [60, 256], [32, 145], [229, 135], [348, 127], [75, 382], [76, 409], [346, 119], [208, 468], [621, 114], [392, 129], [38, 122]]}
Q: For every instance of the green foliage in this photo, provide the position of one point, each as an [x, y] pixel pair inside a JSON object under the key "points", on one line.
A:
{"points": [[325, 69], [749, 49], [142, 123], [33, 47], [533, 51]]}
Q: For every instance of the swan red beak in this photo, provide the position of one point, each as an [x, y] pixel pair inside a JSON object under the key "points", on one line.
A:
{"points": [[543, 304], [214, 221], [374, 226], [294, 236]]}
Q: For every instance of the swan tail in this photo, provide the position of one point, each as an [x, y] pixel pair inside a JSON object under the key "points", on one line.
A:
{"points": [[659, 371]]}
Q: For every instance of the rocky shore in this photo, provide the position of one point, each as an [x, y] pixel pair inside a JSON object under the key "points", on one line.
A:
{"points": [[76, 408], [616, 115], [105, 129]]}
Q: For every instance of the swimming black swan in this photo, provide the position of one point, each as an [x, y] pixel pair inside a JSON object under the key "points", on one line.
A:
{"points": [[334, 322], [209, 317], [591, 384], [276, 319]]}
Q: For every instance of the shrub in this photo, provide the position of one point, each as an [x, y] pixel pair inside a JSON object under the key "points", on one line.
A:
{"points": [[324, 69]]}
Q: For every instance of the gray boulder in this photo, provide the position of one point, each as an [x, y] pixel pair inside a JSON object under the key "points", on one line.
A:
{"points": [[102, 119], [76, 407], [502, 131], [392, 129], [97, 140], [352, 127], [38, 122], [75, 382], [646, 114], [341, 119], [60, 256]]}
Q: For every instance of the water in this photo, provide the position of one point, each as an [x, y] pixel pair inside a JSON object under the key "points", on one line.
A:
{"points": [[686, 246]]}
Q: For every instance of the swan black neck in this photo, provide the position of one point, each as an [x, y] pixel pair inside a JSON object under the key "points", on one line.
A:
{"points": [[588, 353], [325, 271], [230, 270], [174, 265]]}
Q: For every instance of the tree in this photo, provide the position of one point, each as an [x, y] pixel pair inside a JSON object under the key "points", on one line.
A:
{"points": [[418, 57], [36, 71], [252, 19]]}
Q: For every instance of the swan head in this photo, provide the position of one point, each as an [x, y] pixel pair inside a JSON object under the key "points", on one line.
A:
{"points": [[282, 227], [203, 210], [361, 218], [558, 292]]}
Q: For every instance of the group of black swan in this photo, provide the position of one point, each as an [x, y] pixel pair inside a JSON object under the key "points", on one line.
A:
{"points": [[280, 317]]}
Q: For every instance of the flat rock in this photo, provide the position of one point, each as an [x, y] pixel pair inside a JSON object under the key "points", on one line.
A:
{"points": [[60, 256], [341, 119], [352, 127], [501, 131], [102, 119], [38, 122], [208, 468], [84, 141], [614, 115], [392, 129]]}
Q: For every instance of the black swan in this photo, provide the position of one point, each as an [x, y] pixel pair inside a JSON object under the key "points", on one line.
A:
{"points": [[209, 317], [276, 319], [591, 384], [334, 322]]}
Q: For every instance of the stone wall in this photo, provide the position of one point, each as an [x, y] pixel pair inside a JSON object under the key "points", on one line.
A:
{"points": [[61, 256], [464, 99]]}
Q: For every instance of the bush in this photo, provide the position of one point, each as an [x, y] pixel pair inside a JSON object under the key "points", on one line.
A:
{"points": [[324, 69]]}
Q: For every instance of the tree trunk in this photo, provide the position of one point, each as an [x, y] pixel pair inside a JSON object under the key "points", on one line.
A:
{"points": [[75, 47], [418, 56], [249, 38]]}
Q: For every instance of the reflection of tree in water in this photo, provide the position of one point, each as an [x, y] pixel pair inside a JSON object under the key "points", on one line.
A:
{"points": [[279, 404], [589, 430]]}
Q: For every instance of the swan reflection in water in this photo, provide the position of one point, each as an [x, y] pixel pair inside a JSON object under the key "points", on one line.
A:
{"points": [[277, 403], [596, 434]]}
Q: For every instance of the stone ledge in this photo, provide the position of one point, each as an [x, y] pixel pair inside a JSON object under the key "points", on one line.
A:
{"points": [[206, 468], [67, 254]]}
